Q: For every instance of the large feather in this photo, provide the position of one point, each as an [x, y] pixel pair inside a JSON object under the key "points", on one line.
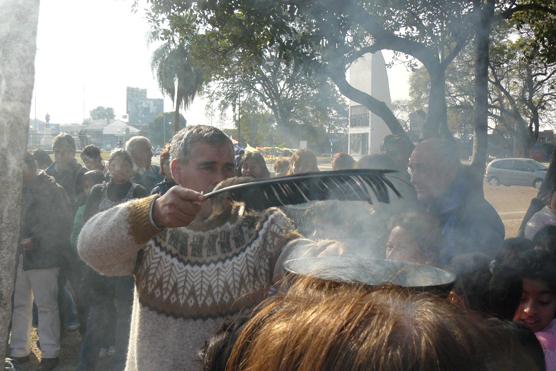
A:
{"points": [[348, 185]]}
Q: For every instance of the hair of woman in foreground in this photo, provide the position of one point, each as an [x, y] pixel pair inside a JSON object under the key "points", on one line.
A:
{"points": [[320, 325]]}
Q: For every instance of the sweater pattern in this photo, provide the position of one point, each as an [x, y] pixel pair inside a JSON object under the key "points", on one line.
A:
{"points": [[200, 275]]}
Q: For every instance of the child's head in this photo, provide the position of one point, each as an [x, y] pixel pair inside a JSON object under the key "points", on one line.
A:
{"points": [[538, 300], [512, 249], [414, 238], [472, 281], [120, 166], [281, 167]]}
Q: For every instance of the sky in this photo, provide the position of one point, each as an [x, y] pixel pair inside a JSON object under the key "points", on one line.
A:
{"points": [[89, 51]]}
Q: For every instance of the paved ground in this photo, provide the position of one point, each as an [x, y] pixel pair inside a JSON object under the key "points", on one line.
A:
{"points": [[511, 203]]}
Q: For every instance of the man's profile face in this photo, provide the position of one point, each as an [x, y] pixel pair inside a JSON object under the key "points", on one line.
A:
{"points": [[207, 166], [429, 176]]}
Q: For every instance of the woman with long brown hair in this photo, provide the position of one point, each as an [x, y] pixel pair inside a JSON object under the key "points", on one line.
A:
{"points": [[322, 325]]}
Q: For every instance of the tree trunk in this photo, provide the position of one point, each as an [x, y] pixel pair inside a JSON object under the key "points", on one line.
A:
{"points": [[480, 137], [437, 117], [18, 36], [177, 104], [523, 139]]}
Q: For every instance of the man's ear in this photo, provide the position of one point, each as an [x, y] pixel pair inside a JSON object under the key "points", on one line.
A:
{"points": [[175, 169]]}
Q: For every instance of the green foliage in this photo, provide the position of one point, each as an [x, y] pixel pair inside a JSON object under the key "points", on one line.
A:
{"points": [[540, 24], [102, 112], [322, 38], [240, 70], [522, 89], [161, 129], [178, 78]]}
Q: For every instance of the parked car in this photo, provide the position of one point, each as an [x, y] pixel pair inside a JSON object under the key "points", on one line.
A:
{"points": [[515, 171]]}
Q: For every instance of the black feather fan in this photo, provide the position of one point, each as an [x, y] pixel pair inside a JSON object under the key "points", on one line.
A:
{"points": [[348, 185]]}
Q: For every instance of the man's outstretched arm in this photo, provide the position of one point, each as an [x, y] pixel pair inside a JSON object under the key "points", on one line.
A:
{"points": [[110, 240]]}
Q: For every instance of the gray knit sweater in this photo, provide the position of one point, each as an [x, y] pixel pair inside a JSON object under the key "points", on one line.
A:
{"points": [[187, 282]]}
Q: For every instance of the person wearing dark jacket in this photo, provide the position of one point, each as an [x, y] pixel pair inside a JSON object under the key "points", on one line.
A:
{"points": [[163, 187], [46, 227], [111, 297], [69, 174], [468, 222]]}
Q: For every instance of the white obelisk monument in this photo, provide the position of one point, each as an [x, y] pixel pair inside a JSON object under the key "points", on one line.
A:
{"points": [[366, 130]]}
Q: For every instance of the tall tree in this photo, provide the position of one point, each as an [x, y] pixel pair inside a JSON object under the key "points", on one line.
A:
{"points": [[521, 88], [177, 77], [18, 34], [480, 116], [293, 97], [330, 35]]}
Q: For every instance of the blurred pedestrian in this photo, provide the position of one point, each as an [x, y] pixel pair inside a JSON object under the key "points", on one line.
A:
{"points": [[90, 155], [144, 172], [110, 298], [69, 174], [254, 166], [303, 161], [45, 233], [468, 222], [42, 158], [342, 161], [65, 169], [281, 167], [542, 218]]}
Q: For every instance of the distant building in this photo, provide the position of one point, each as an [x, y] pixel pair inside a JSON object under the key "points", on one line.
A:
{"points": [[108, 134], [546, 136], [141, 111], [367, 130], [42, 134]]}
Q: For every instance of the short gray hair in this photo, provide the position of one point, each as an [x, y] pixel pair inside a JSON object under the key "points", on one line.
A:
{"points": [[133, 142], [180, 146]]}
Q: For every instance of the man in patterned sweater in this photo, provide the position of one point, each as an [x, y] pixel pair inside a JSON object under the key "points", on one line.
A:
{"points": [[192, 272]]}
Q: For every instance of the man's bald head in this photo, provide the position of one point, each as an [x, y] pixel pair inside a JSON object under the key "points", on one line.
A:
{"points": [[434, 165]]}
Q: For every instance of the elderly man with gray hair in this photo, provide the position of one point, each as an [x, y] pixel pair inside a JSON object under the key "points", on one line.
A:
{"points": [[145, 173], [443, 186], [193, 269]]}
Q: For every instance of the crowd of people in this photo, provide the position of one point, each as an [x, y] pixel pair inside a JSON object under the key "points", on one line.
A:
{"points": [[157, 277]]}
